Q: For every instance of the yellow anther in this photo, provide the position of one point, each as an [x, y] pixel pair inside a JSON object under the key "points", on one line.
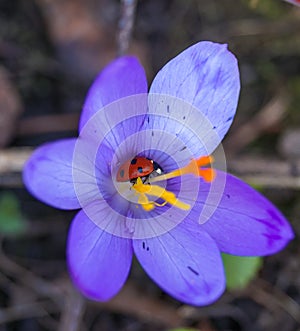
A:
{"points": [[143, 200], [158, 192]]}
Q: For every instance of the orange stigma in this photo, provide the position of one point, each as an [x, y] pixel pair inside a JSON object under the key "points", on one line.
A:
{"points": [[195, 167]]}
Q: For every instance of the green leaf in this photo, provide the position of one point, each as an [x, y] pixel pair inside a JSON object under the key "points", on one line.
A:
{"points": [[257, 187], [240, 270], [11, 220]]}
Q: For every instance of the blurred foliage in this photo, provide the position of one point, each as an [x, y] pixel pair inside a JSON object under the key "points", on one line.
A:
{"points": [[11, 219], [267, 8], [240, 270]]}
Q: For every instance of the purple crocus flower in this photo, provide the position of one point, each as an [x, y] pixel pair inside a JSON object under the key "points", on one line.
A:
{"points": [[179, 214]]}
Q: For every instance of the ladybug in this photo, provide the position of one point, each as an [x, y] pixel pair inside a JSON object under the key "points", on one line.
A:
{"points": [[139, 166]]}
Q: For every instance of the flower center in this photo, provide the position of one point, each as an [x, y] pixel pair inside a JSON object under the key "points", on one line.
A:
{"points": [[143, 172]]}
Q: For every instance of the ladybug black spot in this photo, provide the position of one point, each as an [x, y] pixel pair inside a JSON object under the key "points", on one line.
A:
{"points": [[133, 161], [140, 170], [122, 173]]}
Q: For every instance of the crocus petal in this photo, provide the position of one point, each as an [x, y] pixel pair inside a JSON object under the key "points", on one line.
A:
{"points": [[243, 222], [99, 262], [175, 126], [205, 75], [121, 78], [185, 262], [48, 174]]}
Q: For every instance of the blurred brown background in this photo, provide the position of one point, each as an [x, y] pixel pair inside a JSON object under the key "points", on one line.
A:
{"points": [[50, 51]]}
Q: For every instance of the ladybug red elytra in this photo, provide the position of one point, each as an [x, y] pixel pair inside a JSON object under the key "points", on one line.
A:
{"points": [[139, 166]]}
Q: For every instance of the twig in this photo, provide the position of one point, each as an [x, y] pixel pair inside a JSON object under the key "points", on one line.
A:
{"points": [[11, 165], [27, 310], [126, 24], [130, 301], [255, 170], [270, 181], [275, 299], [30, 280], [216, 311], [47, 124], [266, 118], [73, 312], [264, 172], [240, 29], [13, 159]]}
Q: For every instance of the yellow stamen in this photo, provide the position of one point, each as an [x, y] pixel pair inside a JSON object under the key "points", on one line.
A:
{"points": [[143, 200], [158, 192], [194, 167]]}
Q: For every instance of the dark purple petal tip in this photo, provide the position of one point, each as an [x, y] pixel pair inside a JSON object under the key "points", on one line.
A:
{"points": [[244, 221]]}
